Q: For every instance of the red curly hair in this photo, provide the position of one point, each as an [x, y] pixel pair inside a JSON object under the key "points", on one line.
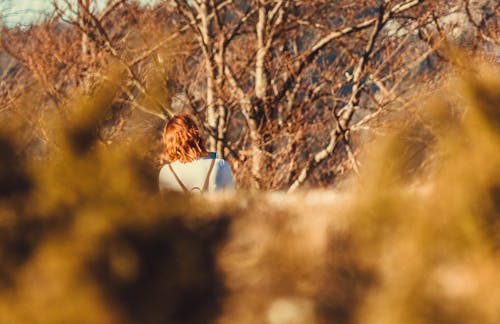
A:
{"points": [[182, 139]]}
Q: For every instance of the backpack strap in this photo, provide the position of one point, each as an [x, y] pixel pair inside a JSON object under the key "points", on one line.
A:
{"points": [[178, 180], [205, 185]]}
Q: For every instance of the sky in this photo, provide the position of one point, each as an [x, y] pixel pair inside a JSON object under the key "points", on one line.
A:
{"points": [[26, 11], [23, 11]]}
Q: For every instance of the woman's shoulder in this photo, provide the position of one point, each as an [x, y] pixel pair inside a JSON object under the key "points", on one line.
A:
{"points": [[221, 163], [164, 170], [218, 163]]}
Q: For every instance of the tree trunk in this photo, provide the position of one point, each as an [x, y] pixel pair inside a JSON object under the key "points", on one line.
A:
{"points": [[87, 46], [207, 46], [221, 109], [258, 155], [83, 21], [260, 73]]}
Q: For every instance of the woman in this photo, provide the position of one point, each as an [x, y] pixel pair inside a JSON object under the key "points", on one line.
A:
{"points": [[191, 168]]}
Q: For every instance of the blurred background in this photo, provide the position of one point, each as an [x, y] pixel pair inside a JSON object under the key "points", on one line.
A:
{"points": [[363, 137]]}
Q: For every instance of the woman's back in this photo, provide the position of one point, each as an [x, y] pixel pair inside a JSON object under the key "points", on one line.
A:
{"points": [[192, 175]]}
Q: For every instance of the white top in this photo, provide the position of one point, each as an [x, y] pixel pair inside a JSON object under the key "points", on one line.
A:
{"points": [[193, 174]]}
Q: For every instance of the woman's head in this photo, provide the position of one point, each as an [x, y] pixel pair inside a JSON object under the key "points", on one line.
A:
{"points": [[182, 139]]}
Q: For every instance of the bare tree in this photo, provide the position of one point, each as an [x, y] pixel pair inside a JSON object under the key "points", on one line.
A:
{"points": [[72, 47], [288, 87], [286, 90]]}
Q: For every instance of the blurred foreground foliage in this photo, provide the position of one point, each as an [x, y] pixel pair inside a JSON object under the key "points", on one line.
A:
{"points": [[85, 237]]}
